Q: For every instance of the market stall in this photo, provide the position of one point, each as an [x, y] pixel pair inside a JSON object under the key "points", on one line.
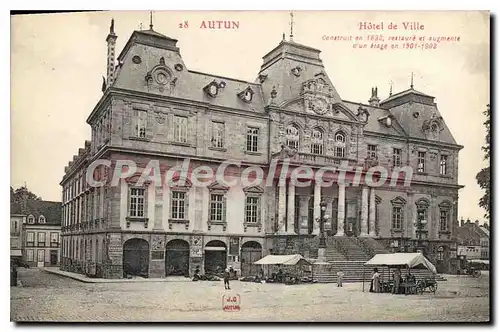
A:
{"points": [[404, 261], [285, 268]]}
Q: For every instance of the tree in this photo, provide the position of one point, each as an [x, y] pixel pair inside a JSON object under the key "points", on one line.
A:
{"points": [[17, 195], [483, 177]]}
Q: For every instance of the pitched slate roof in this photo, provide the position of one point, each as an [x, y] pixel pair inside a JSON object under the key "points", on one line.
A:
{"points": [[50, 210]]}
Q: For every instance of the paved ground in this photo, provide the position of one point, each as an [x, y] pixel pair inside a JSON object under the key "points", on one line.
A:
{"points": [[49, 297]]}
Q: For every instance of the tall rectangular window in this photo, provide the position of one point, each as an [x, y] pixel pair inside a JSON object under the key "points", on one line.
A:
{"points": [[29, 255], [340, 152], [30, 239], [443, 220], [141, 118], [396, 157], [137, 200], [54, 239], [421, 162], [218, 129], [178, 205], [180, 129], [216, 207], [443, 165], [397, 217], [252, 209], [252, 139], [372, 152], [41, 239]]}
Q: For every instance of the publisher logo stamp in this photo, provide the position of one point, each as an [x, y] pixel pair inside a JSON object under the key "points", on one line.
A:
{"points": [[231, 302]]}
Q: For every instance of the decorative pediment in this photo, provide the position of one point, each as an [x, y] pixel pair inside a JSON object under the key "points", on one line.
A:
{"points": [[445, 205], [246, 95], [134, 179], [398, 201], [433, 126], [179, 182], [422, 202], [217, 186], [253, 190]]}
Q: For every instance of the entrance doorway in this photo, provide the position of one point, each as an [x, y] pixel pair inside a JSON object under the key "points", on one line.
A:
{"points": [[215, 257], [251, 252], [136, 258], [41, 258], [53, 257], [177, 258]]}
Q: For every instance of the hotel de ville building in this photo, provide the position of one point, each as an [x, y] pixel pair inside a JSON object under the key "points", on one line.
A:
{"points": [[154, 107]]}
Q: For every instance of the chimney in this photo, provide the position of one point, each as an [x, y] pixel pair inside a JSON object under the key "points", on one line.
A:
{"points": [[111, 40], [374, 100], [462, 222], [468, 221], [477, 222]]}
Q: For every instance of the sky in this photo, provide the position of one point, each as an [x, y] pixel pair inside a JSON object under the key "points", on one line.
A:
{"points": [[58, 60]]}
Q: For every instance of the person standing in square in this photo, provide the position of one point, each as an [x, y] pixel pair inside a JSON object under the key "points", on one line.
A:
{"points": [[340, 278], [227, 275]]}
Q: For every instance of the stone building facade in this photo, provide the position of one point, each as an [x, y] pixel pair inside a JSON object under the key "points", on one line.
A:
{"points": [[154, 108]]}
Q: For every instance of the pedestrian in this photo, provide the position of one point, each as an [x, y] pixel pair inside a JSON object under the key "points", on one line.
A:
{"points": [[340, 278], [397, 281], [226, 279], [376, 281]]}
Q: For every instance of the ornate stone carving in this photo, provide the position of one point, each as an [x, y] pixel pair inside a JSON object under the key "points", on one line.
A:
{"points": [[157, 243], [318, 96]]}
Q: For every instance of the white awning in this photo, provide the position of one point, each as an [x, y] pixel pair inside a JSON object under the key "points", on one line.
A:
{"points": [[16, 252], [281, 259], [402, 259]]}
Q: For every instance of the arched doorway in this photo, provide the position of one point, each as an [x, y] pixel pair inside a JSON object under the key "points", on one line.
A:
{"points": [[136, 258], [251, 252], [215, 257], [177, 258]]}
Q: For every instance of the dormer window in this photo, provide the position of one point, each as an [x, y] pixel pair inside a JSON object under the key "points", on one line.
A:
{"points": [[41, 220], [31, 219], [386, 120], [212, 89], [246, 95]]}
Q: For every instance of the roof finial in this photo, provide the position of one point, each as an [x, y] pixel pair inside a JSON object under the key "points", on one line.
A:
{"points": [[291, 26], [151, 20], [411, 85], [283, 36], [112, 27], [390, 88], [140, 26]]}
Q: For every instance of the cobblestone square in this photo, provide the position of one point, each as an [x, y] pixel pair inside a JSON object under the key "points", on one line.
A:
{"points": [[48, 297]]}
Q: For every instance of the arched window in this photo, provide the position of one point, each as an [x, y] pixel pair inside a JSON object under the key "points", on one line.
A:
{"points": [[41, 219], [340, 145], [292, 137], [31, 219], [317, 141]]}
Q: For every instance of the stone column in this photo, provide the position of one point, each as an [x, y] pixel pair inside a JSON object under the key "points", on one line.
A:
{"points": [[304, 211], [317, 208], [341, 211], [158, 221], [372, 212], [281, 208], [364, 212], [291, 209]]}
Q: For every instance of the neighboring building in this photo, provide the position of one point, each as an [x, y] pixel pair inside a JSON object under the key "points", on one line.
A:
{"points": [[473, 242], [41, 228], [16, 236], [154, 107]]}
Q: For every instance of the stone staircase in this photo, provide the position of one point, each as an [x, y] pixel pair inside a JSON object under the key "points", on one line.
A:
{"points": [[370, 246], [349, 248]]}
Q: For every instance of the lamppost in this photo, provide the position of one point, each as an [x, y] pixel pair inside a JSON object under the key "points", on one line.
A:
{"points": [[420, 225], [322, 237]]}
